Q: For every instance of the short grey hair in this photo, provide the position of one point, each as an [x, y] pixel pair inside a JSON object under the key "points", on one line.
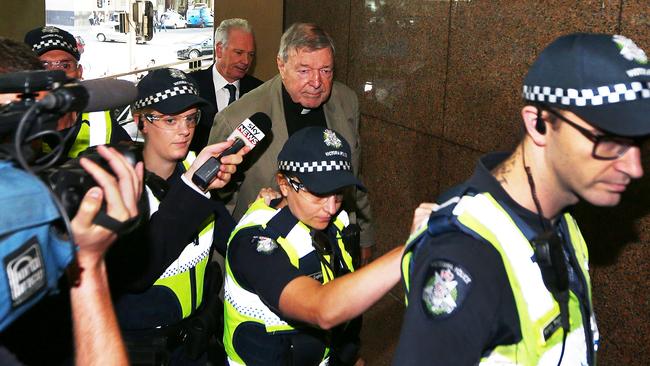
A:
{"points": [[304, 35], [224, 28]]}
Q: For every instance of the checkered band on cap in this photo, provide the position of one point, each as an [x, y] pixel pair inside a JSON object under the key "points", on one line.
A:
{"points": [[54, 43], [168, 93], [603, 95], [313, 166]]}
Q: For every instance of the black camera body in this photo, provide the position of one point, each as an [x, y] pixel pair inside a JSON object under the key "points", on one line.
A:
{"points": [[27, 120], [70, 181], [28, 84]]}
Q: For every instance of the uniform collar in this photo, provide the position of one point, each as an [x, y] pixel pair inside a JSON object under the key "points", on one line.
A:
{"points": [[483, 181], [284, 221]]}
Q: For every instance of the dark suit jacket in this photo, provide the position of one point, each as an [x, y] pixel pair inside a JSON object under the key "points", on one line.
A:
{"points": [[203, 79]]}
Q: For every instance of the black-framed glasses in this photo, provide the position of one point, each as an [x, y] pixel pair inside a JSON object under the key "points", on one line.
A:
{"points": [[60, 65], [173, 122], [606, 147], [312, 197]]}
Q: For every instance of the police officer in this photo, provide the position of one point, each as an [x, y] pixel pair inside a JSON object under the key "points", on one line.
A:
{"points": [[500, 273], [160, 271], [57, 49], [290, 286]]}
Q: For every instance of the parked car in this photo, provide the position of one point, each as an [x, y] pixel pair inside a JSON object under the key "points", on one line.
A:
{"points": [[200, 17], [110, 31], [171, 19], [206, 47]]}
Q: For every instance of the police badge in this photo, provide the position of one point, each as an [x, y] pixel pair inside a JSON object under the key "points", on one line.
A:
{"points": [[178, 74], [446, 287], [50, 29], [265, 245], [331, 139], [630, 50]]}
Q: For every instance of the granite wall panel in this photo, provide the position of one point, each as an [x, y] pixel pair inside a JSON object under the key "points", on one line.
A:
{"points": [[492, 43], [334, 17], [381, 327], [397, 61], [635, 22], [439, 84], [398, 176], [457, 164]]}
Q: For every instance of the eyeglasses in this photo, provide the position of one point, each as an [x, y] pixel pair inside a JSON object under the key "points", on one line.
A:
{"points": [[606, 147], [312, 197], [60, 65], [173, 123]]}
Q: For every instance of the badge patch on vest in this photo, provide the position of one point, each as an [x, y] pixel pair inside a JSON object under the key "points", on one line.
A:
{"points": [[265, 245], [445, 289]]}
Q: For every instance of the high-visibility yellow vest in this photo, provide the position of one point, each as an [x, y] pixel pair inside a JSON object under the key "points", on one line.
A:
{"points": [[95, 129], [186, 274], [242, 306], [483, 216]]}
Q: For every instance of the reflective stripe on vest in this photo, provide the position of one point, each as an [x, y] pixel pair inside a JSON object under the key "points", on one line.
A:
{"points": [[536, 307], [241, 305], [95, 131], [195, 255], [232, 362], [406, 259]]}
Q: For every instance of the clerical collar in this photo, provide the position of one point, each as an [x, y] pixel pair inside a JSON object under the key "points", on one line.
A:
{"points": [[298, 117], [294, 108]]}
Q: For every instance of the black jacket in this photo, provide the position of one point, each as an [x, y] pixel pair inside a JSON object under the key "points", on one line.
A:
{"points": [[203, 79]]}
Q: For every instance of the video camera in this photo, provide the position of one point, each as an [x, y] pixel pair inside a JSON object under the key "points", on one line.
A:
{"points": [[31, 118], [70, 181], [37, 193]]}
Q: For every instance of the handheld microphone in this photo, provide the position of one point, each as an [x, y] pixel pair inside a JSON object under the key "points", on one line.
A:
{"points": [[248, 133]]}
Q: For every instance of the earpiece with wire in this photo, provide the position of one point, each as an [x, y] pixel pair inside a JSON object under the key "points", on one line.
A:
{"points": [[549, 253], [540, 125]]}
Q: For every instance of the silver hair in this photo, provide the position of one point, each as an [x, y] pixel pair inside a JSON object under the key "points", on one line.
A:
{"points": [[304, 35], [222, 32]]}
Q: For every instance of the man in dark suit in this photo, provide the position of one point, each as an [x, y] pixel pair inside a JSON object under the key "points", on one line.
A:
{"points": [[227, 79]]}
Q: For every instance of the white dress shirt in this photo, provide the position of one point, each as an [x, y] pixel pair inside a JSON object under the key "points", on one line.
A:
{"points": [[222, 94]]}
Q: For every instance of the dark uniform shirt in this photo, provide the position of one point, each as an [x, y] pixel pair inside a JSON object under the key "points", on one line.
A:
{"points": [[139, 259], [487, 315], [266, 274]]}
